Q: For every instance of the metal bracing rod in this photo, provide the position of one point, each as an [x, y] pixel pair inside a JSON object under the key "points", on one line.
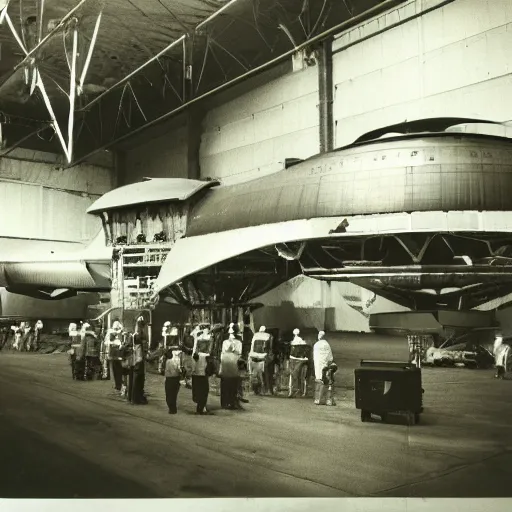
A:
{"points": [[40, 20], [3, 9], [22, 140], [40, 85], [374, 11], [55, 124], [89, 53], [133, 73], [61, 23], [72, 93], [215, 14], [157, 56], [15, 33]]}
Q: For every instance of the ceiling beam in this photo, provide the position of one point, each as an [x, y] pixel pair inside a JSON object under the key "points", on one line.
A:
{"points": [[48, 36], [174, 43], [132, 74], [370, 13]]}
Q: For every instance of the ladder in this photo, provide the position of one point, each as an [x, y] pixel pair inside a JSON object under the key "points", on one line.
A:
{"points": [[135, 273]]}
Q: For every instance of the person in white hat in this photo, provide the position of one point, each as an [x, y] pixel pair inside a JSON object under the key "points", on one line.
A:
{"points": [[229, 373], [37, 334], [74, 351], [322, 359], [299, 358], [261, 347], [501, 354], [112, 355], [137, 375], [203, 341], [202, 371], [187, 347], [173, 372], [90, 345], [166, 332]]}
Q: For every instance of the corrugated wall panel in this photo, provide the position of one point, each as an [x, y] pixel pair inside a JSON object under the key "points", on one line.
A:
{"points": [[253, 134], [21, 210], [65, 217], [163, 157], [452, 61]]}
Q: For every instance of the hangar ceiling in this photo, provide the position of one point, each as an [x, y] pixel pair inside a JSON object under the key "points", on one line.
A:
{"points": [[139, 60]]}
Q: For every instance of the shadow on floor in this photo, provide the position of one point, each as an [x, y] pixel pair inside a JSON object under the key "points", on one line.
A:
{"points": [[33, 468]]}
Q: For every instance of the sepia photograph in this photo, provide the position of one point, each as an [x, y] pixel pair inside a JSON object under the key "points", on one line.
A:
{"points": [[290, 217]]}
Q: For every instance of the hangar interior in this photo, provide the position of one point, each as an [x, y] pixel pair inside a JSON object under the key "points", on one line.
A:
{"points": [[97, 95], [343, 165]]}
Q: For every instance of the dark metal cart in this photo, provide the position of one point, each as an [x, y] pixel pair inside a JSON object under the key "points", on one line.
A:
{"points": [[384, 387]]}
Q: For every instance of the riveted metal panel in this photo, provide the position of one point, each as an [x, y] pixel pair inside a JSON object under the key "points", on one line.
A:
{"points": [[59, 274], [403, 174]]}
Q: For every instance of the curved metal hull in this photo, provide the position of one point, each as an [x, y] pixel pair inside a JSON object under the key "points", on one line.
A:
{"points": [[444, 171]]}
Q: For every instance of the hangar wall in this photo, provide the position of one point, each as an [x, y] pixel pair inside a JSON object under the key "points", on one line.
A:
{"points": [[161, 157], [252, 135], [46, 201], [42, 200], [450, 61]]}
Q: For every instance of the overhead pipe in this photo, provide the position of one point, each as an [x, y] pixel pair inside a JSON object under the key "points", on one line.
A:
{"points": [[374, 11], [22, 140], [394, 25], [215, 14]]}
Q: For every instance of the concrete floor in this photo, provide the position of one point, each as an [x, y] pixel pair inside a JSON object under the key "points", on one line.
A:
{"points": [[66, 439]]}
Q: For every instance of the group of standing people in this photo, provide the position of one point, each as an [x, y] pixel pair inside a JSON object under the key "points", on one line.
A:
{"points": [[190, 357], [118, 354], [233, 365], [25, 337]]}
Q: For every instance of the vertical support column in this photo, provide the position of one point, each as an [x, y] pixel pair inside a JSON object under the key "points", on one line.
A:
{"points": [[188, 82], [194, 131], [194, 114], [325, 92]]}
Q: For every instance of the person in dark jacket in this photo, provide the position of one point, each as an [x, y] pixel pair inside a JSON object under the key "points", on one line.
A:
{"points": [[202, 370], [260, 353], [4, 333], [138, 371], [90, 346], [37, 334], [300, 354], [230, 372], [113, 342], [173, 372], [187, 347], [242, 365]]}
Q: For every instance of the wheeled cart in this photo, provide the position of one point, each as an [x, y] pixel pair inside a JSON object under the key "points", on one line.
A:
{"points": [[382, 388]]}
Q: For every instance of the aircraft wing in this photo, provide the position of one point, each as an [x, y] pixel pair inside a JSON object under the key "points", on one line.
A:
{"points": [[51, 270]]}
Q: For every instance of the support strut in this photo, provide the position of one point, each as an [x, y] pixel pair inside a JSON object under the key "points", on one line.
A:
{"points": [[325, 93], [37, 81]]}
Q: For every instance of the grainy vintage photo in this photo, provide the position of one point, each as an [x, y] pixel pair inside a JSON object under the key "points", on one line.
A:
{"points": [[255, 249]]}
